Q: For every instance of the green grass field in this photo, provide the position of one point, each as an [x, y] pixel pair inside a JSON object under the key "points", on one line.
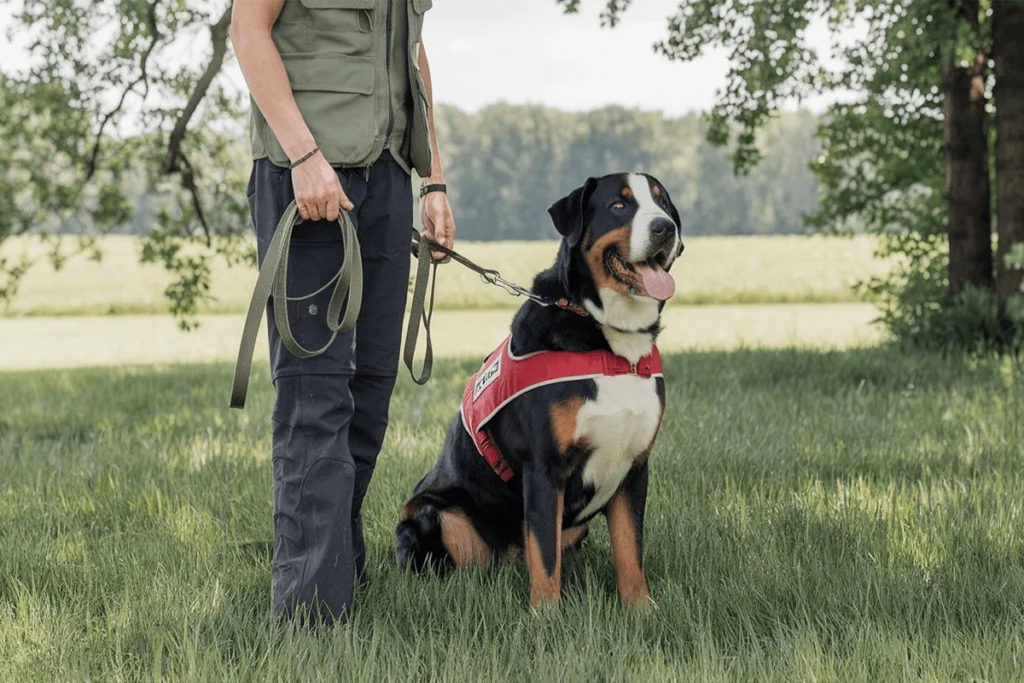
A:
{"points": [[714, 270], [844, 516]]}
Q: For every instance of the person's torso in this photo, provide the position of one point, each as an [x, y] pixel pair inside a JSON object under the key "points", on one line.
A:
{"points": [[354, 72]]}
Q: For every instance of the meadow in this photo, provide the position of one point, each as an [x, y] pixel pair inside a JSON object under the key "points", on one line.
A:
{"points": [[714, 270], [813, 516], [823, 507]]}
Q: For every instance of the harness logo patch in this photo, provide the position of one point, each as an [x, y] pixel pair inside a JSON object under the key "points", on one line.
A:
{"points": [[486, 378]]}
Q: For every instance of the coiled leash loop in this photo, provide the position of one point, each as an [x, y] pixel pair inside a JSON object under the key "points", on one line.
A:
{"points": [[273, 282], [348, 282]]}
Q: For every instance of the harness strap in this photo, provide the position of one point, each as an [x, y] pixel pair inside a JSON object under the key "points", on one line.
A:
{"points": [[273, 282]]}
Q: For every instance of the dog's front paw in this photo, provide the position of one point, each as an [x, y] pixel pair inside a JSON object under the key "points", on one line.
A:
{"points": [[634, 593]]}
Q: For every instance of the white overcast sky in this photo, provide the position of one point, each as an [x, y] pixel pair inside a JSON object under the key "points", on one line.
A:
{"points": [[529, 51]]}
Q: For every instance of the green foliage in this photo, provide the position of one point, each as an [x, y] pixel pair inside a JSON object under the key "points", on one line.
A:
{"points": [[100, 73], [1015, 304], [507, 164], [881, 167]]}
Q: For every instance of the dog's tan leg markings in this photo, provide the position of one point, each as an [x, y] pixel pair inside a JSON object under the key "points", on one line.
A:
{"points": [[463, 542], [574, 535], [544, 586], [563, 422], [408, 510], [625, 552]]}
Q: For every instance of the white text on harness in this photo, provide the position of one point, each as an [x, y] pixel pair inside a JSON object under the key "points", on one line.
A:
{"points": [[486, 378]]}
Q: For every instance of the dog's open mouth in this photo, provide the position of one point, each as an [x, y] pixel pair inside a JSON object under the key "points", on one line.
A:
{"points": [[646, 278]]}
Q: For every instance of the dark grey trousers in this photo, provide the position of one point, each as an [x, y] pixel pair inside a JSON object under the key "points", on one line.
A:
{"points": [[331, 411]]}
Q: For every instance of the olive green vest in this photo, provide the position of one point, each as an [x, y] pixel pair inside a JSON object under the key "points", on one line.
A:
{"points": [[358, 92]]}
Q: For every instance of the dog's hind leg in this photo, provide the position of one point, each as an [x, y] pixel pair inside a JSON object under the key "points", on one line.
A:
{"points": [[418, 540], [441, 539], [574, 536]]}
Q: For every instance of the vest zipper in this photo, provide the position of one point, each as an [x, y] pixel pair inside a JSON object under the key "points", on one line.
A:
{"points": [[387, 62]]}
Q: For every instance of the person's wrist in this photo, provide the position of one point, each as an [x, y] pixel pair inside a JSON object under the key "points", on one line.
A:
{"points": [[298, 147], [431, 185]]}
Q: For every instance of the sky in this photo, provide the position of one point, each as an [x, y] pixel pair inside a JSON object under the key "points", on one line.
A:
{"points": [[529, 51]]}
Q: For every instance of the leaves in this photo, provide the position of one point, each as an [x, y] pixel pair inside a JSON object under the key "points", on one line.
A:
{"points": [[107, 107]]}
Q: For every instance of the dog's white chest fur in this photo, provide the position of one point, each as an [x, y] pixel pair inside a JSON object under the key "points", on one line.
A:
{"points": [[619, 424]]}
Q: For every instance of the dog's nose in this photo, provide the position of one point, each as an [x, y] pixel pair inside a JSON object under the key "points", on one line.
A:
{"points": [[661, 227]]}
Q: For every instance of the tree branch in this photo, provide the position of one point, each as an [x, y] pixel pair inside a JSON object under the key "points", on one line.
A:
{"points": [[142, 78], [188, 181], [176, 159], [219, 38]]}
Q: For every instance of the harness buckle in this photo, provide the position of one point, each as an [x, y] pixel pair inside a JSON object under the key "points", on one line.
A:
{"points": [[633, 370]]}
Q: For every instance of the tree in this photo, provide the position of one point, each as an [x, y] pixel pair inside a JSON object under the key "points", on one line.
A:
{"points": [[968, 194], [105, 99], [920, 75], [1008, 54]]}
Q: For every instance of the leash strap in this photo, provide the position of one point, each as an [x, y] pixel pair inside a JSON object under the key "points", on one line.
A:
{"points": [[273, 282], [420, 311]]}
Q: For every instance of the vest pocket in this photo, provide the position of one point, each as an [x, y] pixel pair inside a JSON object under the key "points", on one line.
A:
{"points": [[345, 25], [333, 93]]}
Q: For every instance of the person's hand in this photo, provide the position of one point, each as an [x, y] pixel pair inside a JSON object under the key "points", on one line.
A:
{"points": [[438, 223], [318, 193]]}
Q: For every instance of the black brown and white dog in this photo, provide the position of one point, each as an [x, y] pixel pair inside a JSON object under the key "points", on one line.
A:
{"points": [[578, 448]]}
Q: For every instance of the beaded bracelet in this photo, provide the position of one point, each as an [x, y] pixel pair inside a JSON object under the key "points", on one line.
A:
{"points": [[307, 156]]}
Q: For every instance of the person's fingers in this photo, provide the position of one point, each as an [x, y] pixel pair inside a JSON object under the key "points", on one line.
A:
{"points": [[316, 209], [343, 200], [449, 233], [303, 211], [333, 209]]}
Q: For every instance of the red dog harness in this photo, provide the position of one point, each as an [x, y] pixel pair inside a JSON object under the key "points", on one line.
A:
{"points": [[504, 377]]}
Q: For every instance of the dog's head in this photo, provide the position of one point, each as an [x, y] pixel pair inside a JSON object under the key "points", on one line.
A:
{"points": [[621, 234]]}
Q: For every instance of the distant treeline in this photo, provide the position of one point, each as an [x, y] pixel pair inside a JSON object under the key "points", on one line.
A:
{"points": [[506, 164]]}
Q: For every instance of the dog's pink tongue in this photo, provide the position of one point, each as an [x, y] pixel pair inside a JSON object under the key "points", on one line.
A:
{"points": [[658, 283]]}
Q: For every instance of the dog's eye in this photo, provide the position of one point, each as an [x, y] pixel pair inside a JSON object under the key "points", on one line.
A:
{"points": [[618, 206]]}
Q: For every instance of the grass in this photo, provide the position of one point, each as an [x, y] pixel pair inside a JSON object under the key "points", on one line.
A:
{"points": [[850, 516], [714, 270]]}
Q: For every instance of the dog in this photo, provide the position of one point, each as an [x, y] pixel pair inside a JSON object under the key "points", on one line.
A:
{"points": [[543, 461]]}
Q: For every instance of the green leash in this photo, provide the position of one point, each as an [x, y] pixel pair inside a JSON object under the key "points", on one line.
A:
{"points": [[418, 310], [273, 282], [348, 282]]}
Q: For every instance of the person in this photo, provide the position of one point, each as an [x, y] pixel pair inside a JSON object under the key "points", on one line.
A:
{"points": [[341, 116]]}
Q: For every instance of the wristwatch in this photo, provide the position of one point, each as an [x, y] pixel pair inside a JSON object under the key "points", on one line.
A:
{"points": [[426, 189]]}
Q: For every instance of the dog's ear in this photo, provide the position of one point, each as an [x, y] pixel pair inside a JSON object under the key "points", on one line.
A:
{"points": [[567, 213]]}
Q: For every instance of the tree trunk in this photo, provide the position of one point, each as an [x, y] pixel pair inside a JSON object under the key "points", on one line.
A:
{"points": [[1008, 54], [969, 225]]}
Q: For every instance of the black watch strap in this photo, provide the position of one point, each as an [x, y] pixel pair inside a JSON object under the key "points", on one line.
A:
{"points": [[426, 189]]}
